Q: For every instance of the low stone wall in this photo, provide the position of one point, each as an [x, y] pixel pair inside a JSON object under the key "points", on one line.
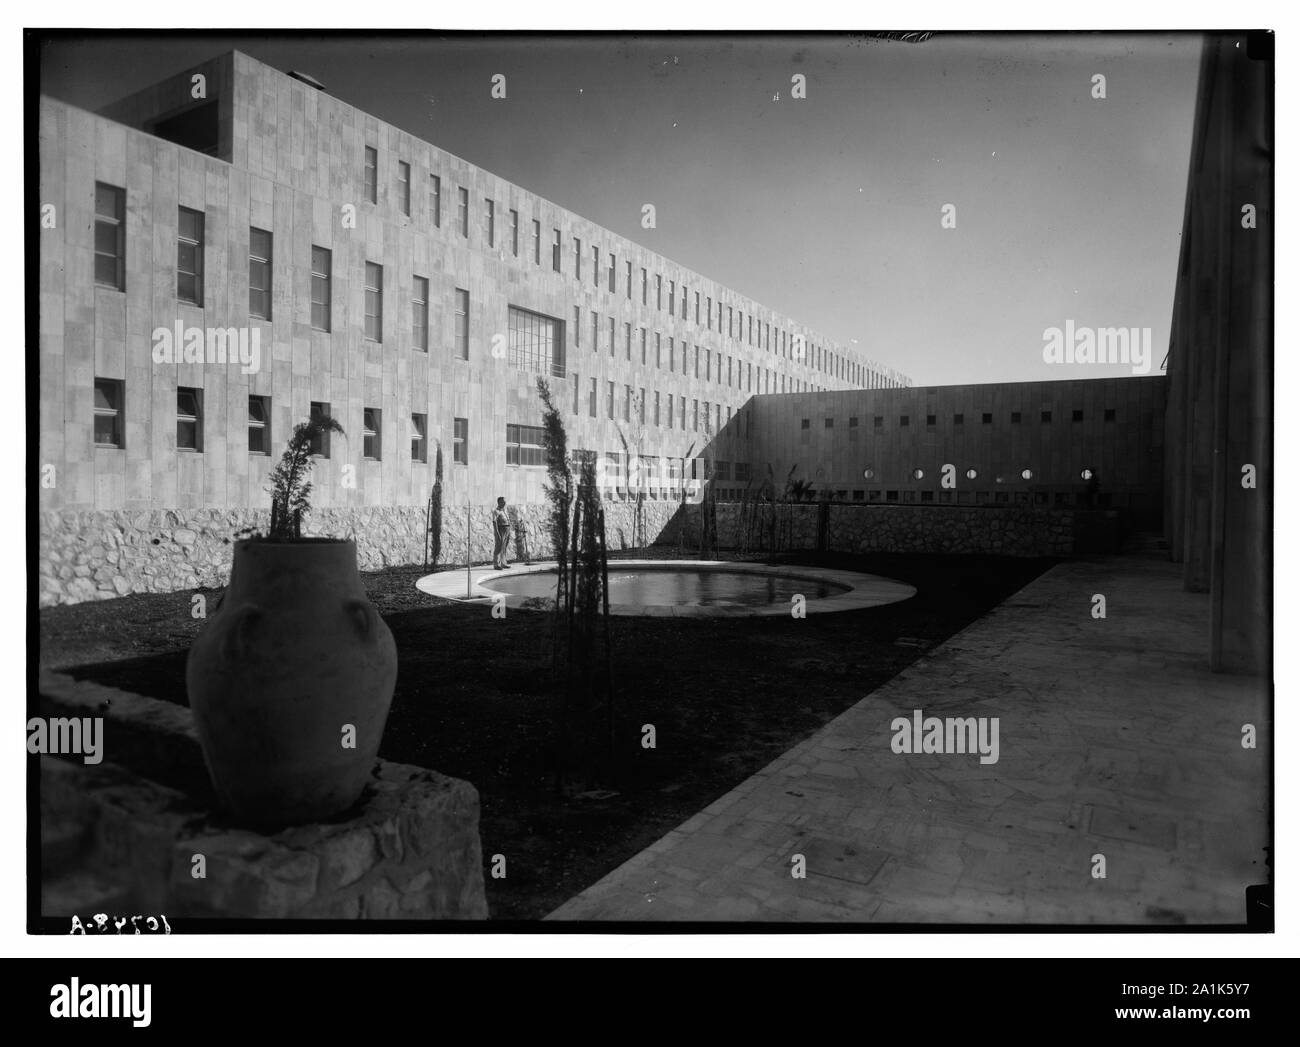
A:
{"points": [[1004, 531], [102, 555], [123, 835]]}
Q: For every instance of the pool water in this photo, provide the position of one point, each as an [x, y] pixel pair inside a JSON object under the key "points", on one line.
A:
{"points": [[680, 587]]}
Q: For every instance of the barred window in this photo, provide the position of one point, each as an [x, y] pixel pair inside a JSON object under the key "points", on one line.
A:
{"points": [[536, 343], [110, 236], [259, 273]]}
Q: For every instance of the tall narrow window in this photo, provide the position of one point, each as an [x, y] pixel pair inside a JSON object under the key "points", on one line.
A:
{"points": [[490, 222], [371, 419], [577, 258], [320, 288], [659, 292], [641, 407], [189, 256], [462, 210], [672, 298], [629, 281], [320, 443], [611, 336], [577, 327], [372, 175], [420, 312], [259, 425], [537, 242], [419, 438], [462, 323], [374, 316], [514, 233], [591, 399], [595, 332], [708, 312], [697, 308], [189, 419], [643, 347], [460, 442], [627, 403], [577, 394], [435, 200], [612, 268], [657, 415], [404, 186], [555, 251], [595, 265], [644, 286], [609, 399], [108, 412], [259, 273], [627, 340], [110, 236]]}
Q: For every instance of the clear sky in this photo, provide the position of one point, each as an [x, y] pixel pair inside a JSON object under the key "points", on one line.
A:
{"points": [[827, 208]]}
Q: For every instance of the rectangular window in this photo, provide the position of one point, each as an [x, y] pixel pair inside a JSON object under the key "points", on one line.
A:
{"points": [[259, 425], [537, 242], [374, 304], [609, 399], [670, 410], [372, 175], [320, 288], [697, 308], [672, 298], [259, 273], [404, 186], [659, 350], [1108, 414], [659, 292], [627, 403], [613, 267], [490, 222], [435, 200], [110, 236], [708, 312], [462, 210], [611, 336], [698, 353], [462, 323], [643, 347], [591, 399], [1076, 416], [189, 256], [627, 340], [695, 415], [420, 312], [514, 233], [536, 343], [671, 353], [371, 419], [595, 265], [986, 418], [108, 412], [595, 332], [189, 419], [1015, 417], [577, 258], [959, 419], [460, 441], [577, 327], [1046, 416], [643, 287], [629, 281], [681, 403], [904, 420], [320, 443], [577, 394], [524, 445], [419, 438], [555, 251]]}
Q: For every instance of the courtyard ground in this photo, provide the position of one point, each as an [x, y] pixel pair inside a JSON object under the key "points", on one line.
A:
{"points": [[726, 696]]}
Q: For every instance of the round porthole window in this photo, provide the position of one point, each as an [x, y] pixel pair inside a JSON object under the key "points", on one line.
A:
{"points": [[999, 480], [1086, 474], [1027, 474], [868, 474], [971, 474], [918, 474]]}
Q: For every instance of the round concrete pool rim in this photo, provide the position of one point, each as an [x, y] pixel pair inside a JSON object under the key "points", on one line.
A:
{"points": [[860, 590]]}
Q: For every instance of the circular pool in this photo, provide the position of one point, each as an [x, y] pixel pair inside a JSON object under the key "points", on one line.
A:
{"points": [[685, 588]]}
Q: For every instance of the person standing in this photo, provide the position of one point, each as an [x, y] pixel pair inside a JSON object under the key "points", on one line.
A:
{"points": [[500, 532]]}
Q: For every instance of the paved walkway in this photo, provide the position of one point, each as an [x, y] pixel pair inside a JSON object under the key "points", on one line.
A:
{"points": [[1113, 740]]}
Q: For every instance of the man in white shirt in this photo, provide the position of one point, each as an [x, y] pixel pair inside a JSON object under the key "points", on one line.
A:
{"points": [[500, 531]]}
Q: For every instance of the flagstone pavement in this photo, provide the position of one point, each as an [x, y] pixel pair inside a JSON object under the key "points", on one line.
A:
{"points": [[1115, 741]]}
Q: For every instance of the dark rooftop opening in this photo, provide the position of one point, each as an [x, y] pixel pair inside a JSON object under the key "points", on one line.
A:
{"points": [[195, 128]]}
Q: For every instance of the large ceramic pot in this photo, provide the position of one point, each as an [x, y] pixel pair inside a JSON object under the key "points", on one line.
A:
{"points": [[290, 682]]}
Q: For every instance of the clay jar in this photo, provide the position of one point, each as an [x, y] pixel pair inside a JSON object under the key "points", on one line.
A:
{"points": [[294, 657]]}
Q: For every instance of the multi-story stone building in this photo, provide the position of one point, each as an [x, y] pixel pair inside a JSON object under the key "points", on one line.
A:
{"points": [[408, 293]]}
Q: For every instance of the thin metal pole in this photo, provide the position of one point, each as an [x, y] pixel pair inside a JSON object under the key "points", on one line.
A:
{"points": [[469, 588]]}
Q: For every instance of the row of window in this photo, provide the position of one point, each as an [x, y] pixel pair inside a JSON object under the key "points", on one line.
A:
{"points": [[536, 340], [986, 418], [738, 326], [109, 431], [658, 412]]}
